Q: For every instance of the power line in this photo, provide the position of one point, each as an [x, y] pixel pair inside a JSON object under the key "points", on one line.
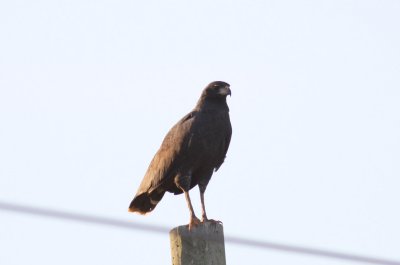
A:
{"points": [[105, 221], [310, 251], [81, 218]]}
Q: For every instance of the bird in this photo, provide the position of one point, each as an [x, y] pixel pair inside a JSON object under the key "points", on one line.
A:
{"points": [[193, 149]]}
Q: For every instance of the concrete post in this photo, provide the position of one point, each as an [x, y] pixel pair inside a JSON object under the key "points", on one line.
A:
{"points": [[203, 245]]}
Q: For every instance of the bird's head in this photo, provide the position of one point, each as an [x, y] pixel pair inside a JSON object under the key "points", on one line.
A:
{"points": [[217, 89], [214, 96]]}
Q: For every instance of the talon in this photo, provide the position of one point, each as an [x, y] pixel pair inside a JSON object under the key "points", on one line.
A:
{"points": [[194, 221], [211, 221]]}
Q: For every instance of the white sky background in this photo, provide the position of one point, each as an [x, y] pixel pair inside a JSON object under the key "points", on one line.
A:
{"points": [[88, 89]]}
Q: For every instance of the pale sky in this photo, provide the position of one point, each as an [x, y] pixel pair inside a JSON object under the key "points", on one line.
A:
{"points": [[88, 89]]}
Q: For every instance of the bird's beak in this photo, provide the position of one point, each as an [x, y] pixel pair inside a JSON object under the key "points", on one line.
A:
{"points": [[225, 91]]}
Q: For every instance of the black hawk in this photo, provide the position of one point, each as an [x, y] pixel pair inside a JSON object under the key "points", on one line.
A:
{"points": [[191, 151]]}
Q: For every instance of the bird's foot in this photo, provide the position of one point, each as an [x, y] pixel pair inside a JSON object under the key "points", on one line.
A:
{"points": [[194, 221], [205, 220]]}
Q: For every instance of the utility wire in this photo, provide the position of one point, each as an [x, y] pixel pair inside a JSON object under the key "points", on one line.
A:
{"points": [[105, 221]]}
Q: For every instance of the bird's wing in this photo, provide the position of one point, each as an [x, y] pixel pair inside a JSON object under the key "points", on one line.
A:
{"points": [[164, 165], [226, 143]]}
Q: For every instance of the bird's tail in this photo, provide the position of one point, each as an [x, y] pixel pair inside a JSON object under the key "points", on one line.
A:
{"points": [[145, 202]]}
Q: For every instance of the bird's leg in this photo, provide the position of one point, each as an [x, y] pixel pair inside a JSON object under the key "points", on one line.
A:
{"points": [[194, 221], [203, 210], [183, 183]]}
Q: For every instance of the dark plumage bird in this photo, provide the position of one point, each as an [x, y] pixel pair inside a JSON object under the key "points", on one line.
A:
{"points": [[192, 150]]}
